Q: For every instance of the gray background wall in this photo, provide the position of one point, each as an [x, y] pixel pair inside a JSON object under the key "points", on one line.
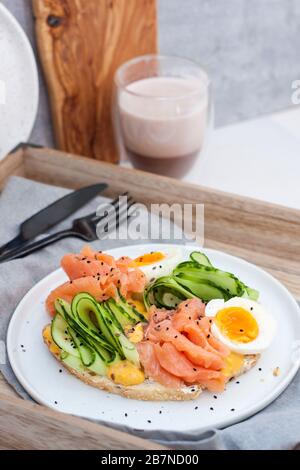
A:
{"points": [[250, 47]]}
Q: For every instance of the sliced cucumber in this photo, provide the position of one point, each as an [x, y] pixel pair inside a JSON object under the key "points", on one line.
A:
{"points": [[199, 273], [95, 331], [124, 346], [253, 294], [83, 305], [73, 362], [156, 293], [98, 366], [93, 339], [120, 314], [62, 307], [129, 350], [61, 336], [171, 300], [200, 258], [203, 290], [109, 328], [87, 354], [131, 310]]}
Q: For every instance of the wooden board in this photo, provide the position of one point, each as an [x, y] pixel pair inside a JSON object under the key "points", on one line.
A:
{"points": [[265, 234], [81, 44]]}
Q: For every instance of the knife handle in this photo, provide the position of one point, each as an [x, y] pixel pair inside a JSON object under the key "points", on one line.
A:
{"points": [[35, 246], [12, 244]]}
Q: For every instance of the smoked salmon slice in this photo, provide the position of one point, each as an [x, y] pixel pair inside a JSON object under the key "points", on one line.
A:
{"points": [[152, 366], [98, 274], [177, 364], [68, 290], [165, 332]]}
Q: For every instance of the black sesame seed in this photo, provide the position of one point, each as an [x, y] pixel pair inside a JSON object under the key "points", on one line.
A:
{"points": [[194, 368], [208, 336], [215, 397], [126, 415], [22, 345], [211, 408], [251, 308], [60, 371], [237, 382], [232, 409], [149, 421], [241, 330], [55, 402], [260, 369], [160, 412], [196, 407]]}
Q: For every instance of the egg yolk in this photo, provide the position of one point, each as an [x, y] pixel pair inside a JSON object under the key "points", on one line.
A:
{"points": [[138, 305], [233, 364], [48, 338], [149, 258], [125, 373], [134, 333], [237, 324]]}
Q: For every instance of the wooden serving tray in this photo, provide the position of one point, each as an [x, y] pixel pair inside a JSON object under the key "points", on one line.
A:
{"points": [[265, 234]]}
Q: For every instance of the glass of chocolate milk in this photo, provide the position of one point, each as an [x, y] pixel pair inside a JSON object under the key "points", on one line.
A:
{"points": [[162, 113]]}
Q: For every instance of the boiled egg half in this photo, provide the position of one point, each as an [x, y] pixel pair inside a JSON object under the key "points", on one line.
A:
{"points": [[241, 324], [158, 263]]}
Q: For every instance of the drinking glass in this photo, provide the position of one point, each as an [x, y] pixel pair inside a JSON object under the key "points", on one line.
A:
{"points": [[162, 113]]}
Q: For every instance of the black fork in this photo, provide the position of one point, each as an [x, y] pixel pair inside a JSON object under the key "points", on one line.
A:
{"points": [[84, 228]]}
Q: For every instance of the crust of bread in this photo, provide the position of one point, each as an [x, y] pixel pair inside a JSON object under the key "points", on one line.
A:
{"points": [[148, 390]]}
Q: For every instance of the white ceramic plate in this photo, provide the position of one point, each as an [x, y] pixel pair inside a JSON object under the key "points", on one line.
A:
{"points": [[39, 373], [19, 87]]}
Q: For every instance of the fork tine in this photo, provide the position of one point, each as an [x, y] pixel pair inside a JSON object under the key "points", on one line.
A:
{"points": [[118, 207], [121, 216], [93, 215]]}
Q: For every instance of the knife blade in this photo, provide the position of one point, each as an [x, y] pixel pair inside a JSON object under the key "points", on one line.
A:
{"points": [[53, 214]]}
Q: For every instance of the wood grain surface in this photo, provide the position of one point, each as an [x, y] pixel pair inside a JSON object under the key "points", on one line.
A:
{"points": [[262, 233], [26, 425], [81, 44]]}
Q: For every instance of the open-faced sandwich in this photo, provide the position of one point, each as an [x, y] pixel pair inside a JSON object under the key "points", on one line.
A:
{"points": [[156, 327]]}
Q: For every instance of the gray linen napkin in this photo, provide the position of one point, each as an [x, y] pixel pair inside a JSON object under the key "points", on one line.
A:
{"points": [[276, 427]]}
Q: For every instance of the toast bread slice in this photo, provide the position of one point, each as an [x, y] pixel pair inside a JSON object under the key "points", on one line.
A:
{"points": [[149, 390]]}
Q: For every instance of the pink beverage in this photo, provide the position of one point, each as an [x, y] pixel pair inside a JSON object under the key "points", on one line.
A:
{"points": [[163, 121]]}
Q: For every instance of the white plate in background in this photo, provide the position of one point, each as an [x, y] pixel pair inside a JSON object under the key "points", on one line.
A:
{"points": [[38, 371], [19, 87]]}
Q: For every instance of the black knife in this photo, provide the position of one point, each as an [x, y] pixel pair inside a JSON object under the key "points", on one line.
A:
{"points": [[52, 215]]}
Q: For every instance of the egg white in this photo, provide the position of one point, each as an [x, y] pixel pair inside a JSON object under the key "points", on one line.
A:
{"points": [[164, 267], [266, 325]]}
